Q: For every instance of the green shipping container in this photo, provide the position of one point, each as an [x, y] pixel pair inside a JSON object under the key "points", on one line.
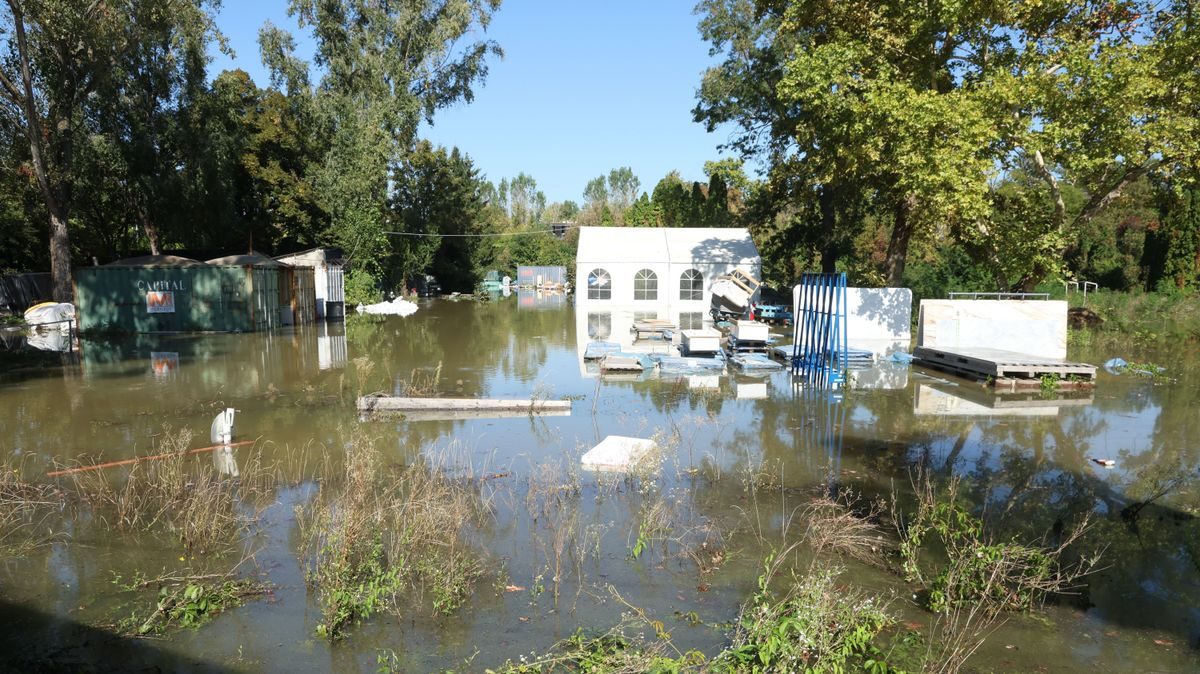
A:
{"points": [[165, 294]]}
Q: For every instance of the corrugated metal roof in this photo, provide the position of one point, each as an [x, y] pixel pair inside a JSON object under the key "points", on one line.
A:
{"points": [[156, 261], [666, 244], [246, 260]]}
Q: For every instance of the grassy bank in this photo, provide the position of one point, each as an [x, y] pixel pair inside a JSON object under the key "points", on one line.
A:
{"points": [[1146, 318]]}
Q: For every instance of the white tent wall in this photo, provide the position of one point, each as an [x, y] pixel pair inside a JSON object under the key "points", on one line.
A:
{"points": [[668, 253]]}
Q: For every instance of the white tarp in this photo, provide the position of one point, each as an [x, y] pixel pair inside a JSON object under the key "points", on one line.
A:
{"points": [[50, 313], [397, 307]]}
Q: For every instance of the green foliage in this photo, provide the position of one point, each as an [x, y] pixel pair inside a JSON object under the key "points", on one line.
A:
{"points": [[1077, 97], [384, 67], [381, 532], [1050, 382], [188, 603], [947, 548], [814, 627], [362, 288]]}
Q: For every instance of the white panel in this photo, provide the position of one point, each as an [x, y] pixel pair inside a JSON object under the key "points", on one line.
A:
{"points": [[883, 314], [1034, 327]]}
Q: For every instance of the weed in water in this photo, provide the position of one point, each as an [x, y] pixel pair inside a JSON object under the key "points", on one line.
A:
{"points": [[188, 601], [182, 494], [26, 509], [972, 578], [373, 532], [845, 524]]}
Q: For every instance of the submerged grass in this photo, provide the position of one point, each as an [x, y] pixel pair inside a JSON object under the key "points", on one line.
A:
{"points": [[183, 494], [375, 531], [26, 511]]}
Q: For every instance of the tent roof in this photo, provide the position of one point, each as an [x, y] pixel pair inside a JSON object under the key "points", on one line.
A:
{"points": [[156, 261], [698, 245]]}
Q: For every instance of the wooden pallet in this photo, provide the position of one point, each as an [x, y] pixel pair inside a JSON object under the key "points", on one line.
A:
{"points": [[1005, 369], [657, 328]]}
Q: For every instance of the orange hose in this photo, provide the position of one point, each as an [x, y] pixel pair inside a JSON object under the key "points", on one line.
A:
{"points": [[126, 462]]}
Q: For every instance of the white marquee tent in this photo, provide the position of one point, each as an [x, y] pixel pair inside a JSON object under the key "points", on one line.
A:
{"points": [[659, 265]]}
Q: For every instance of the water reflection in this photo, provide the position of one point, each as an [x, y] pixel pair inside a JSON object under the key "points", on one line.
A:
{"points": [[1027, 459]]}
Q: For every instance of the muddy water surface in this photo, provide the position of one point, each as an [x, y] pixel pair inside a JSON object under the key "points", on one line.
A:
{"points": [[742, 454]]}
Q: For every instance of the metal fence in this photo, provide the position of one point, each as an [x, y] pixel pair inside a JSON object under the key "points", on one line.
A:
{"points": [[18, 292]]}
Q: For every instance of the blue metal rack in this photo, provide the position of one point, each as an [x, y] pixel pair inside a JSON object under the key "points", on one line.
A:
{"points": [[819, 347]]}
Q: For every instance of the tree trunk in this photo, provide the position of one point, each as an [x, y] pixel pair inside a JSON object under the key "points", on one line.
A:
{"points": [[56, 202], [902, 231], [60, 257], [828, 236], [151, 231]]}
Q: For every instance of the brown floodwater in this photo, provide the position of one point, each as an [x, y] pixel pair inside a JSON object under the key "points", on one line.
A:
{"points": [[743, 453]]}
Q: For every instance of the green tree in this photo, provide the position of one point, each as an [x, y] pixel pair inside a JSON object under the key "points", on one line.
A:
{"points": [[916, 108], [65, 60], [672, 199], [643, 213], [437, 193], [384, 67], [623, 188]]}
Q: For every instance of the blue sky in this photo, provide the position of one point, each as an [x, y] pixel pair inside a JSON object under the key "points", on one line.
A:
{"points": [[584, 87]]}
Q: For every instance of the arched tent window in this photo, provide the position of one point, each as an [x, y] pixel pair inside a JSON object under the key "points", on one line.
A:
{"points": [[599, 285], [691, 285], [645, 285]]}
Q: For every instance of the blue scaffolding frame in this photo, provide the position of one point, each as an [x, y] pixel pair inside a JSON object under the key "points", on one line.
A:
{"points": [[820, 346]]}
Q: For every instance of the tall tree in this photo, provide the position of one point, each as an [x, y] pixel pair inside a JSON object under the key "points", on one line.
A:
{"points": [[384, 66], [437, 192], [917, 106], [623, 189], [45, 81]]}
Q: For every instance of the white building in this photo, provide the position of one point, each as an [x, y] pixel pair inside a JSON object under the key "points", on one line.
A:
{"points": [[659, 266]]}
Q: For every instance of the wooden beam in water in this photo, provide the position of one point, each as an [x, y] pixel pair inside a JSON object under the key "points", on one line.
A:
{"points": [[399, 404]]}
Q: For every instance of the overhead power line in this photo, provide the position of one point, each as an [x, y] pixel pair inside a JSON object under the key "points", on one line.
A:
{"points": [[532, 231]]}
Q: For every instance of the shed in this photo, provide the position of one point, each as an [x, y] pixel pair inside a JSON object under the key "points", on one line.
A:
{"points": [[541, 277], [662, 265], [329, 284], [165, 293], [297, 285]]}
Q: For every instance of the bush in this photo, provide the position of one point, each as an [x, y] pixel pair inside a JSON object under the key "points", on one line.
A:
{"points": [[362, 288]]}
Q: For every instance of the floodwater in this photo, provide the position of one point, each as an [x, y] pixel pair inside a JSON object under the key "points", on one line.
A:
{"points": [[743, 453]]}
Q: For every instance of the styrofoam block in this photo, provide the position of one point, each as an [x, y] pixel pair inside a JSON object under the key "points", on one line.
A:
{"points": [[1033, 327], [750, 331], [616, 453]]}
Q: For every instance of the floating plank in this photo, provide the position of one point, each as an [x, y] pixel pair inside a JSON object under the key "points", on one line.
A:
{"points": [[1004, 368], [684, 364], [615, 363], [616, 453], [755, 361], [654, 327], [384, 403], [458, 415]]}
